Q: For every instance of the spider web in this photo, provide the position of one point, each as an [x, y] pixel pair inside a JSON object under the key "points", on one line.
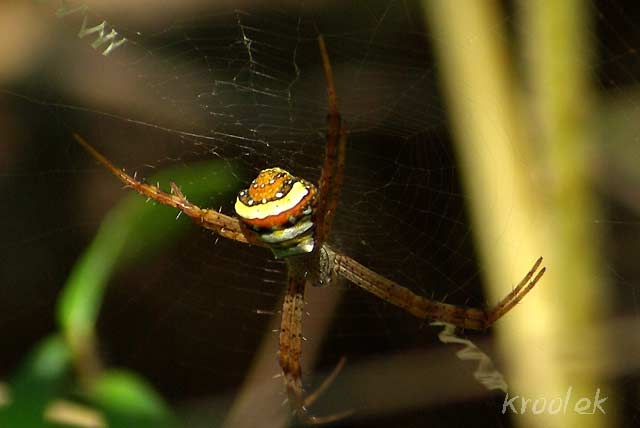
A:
{"points": [[243, 84]]}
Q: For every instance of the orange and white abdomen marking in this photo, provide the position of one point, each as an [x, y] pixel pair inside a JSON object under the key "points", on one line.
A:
{"points": [[278, 207]]}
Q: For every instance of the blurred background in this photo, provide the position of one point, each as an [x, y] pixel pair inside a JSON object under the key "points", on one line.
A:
{"points": [[483, 134]]}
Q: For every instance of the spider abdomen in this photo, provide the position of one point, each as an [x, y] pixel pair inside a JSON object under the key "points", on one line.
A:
{"points": [[278, 207]]}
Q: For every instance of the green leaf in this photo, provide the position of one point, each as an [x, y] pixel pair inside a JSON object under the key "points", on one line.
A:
{"points": [[128, 401], [41, 379], [131, 231]]}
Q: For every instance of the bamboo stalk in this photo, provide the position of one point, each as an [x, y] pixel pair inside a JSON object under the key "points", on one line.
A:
{"points": [[556, 41], [516, 215]]}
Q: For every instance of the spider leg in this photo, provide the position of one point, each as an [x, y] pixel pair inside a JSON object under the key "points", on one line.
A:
{"points": [[331, 178], [225, 226], [334, 195], [421, 307], [290, 352], [517, 294], [291, 340]]}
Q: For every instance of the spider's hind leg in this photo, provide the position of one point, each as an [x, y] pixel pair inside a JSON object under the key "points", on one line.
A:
{"points": [[291, 350]]}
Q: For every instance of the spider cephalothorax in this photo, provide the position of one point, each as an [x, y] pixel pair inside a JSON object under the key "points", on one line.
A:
{"points": [[278, 207]]}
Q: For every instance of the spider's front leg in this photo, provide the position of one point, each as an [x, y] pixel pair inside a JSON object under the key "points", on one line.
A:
{"points": [[223, 225]]}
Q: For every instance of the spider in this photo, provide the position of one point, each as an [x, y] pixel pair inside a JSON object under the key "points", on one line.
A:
{"points": [[293, 218]]}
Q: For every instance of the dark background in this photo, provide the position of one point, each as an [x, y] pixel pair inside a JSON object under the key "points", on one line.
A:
{"points": [[186, 318]]}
